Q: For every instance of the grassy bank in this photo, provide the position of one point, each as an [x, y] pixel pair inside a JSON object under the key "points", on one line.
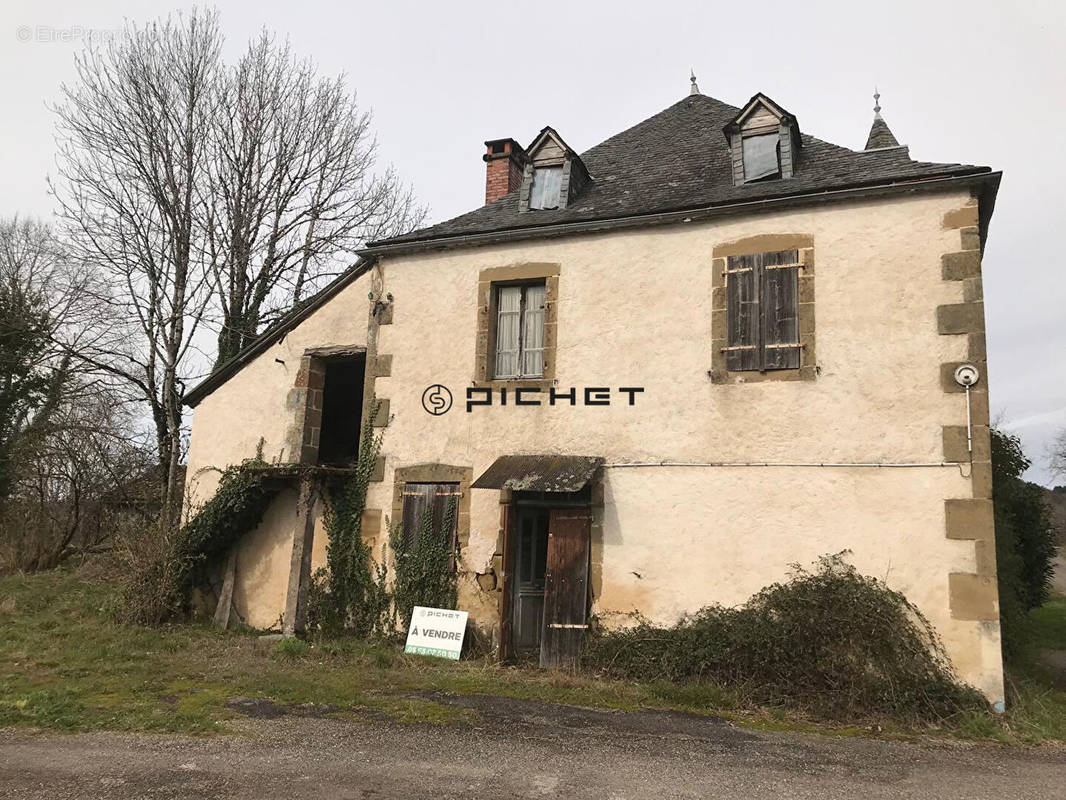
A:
{"points": [[64, 664]]}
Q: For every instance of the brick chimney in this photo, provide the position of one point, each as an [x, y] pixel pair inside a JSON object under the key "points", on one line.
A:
{"points": [[504, 161]]}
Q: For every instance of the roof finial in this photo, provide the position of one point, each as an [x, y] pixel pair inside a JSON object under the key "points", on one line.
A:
{"points": [[694, 89], [877, 104]]}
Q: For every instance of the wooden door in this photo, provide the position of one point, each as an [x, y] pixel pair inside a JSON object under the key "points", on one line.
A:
{"points": [[566, 587]]}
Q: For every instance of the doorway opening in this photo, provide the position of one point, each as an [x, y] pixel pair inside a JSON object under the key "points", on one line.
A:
{"points": [[531, 557], [342, 410], [549, 589]]}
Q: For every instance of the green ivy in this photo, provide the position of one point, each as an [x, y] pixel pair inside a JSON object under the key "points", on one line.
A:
{"points": [[160, 592], [351, 593], [425, 564]]}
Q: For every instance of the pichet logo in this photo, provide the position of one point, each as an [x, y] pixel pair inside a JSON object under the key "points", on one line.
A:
{"points": [[437, 399]]}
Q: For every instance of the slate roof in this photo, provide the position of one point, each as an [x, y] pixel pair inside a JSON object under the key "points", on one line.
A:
{"points": [[880, 135], [679, 159]]}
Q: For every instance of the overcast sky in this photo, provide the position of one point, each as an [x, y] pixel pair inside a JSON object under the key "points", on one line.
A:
{"points": [[978, 82]]}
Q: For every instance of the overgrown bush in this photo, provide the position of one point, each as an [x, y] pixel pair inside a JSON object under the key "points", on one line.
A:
{"points": [[832, 641], [158, 590], [1025, 542]]}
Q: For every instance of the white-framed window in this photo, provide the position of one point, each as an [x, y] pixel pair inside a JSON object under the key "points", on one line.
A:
{"points": [[762, 156], [547, 183], [519, 331]]}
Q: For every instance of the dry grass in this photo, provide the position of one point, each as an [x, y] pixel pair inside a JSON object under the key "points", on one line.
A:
{"points": [[66, 664]]}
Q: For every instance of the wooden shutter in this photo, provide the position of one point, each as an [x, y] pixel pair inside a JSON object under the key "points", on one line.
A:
{"points": [[435, 499], [779, 285], [743, 312], [566, 587]]}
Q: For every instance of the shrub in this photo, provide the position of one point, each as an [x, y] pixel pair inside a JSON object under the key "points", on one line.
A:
{"points": [[292, 647], [831, 641], [1025, 541], [159, 588]]}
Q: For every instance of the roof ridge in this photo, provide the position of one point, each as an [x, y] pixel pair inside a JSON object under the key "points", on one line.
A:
{"points": [[687, 100]]}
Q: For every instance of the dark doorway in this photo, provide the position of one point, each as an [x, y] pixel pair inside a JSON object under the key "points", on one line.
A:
{"points": [[342, 410], [531, 558], [549, 545]]}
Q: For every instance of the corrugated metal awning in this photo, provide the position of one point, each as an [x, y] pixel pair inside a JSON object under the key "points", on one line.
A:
{"points": [[539, 473]]}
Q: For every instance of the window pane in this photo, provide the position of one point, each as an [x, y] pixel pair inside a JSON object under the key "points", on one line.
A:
{"points": [[545, 190], [760, 156], [533, 333], [509, 304]]}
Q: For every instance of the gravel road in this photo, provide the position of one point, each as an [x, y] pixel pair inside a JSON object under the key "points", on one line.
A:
{"points": [[515, 749]]}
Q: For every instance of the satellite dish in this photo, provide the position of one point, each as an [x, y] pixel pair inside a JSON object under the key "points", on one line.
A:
{"points": [[966, 375]]}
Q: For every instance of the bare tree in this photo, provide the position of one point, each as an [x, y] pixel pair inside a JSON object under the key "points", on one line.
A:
{"points": [[294, 188], [204, 194], [69, 492], [1057, 454], [63, 435], [134, 137]]}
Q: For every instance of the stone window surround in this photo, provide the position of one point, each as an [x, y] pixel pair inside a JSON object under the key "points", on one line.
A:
{"points": [[484, 356], [305, 399], [763, 243], [437, 473]]}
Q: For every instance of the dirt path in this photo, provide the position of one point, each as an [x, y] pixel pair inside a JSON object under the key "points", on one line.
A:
{"points": [[515, 749]]}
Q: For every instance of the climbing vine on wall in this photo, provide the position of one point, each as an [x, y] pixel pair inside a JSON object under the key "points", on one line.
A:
{"points": [[351, 592], [425, 563], [161, 589]]}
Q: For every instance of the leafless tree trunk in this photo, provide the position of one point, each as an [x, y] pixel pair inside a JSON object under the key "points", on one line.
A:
{"points": [[65, 438], [134, 137], [1057, 454], [205, 194], [294, 190]]}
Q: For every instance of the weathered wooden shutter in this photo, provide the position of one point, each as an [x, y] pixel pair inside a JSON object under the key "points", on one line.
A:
{"points": [[742, 350], [566, 587], [779, 284], [436, 499]]}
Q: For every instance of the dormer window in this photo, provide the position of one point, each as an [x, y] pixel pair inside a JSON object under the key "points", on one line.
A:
{"points": [[762, 157], [553, 174], [764, 142], [544, 193]]}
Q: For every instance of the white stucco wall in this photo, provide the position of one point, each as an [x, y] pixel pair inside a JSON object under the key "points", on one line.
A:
{"points": [[634, 309], [227, 428]]}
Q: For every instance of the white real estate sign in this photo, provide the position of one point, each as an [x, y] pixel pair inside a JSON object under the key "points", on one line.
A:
{"points": [[436, 632]]}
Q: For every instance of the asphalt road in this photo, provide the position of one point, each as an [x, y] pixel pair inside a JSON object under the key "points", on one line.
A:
{"points": [[516, 749]]}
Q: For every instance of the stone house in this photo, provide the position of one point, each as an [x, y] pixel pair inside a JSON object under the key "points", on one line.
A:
{"points": [[652, 376]]}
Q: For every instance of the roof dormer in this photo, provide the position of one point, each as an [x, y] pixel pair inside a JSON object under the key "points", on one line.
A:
{"points": [[764, 142], [554, 174]]}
